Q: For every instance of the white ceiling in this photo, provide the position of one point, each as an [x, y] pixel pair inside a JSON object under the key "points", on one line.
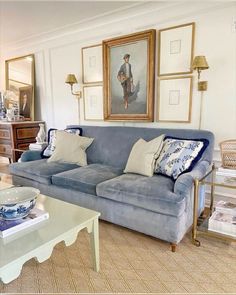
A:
{"points": [[21, 20]]}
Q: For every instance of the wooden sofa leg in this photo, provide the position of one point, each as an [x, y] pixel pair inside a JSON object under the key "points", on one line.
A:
{"points": [[173, 247]]}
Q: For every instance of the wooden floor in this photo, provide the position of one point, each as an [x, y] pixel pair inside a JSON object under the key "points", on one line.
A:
{"points": [[4, 163], [4, 170]]}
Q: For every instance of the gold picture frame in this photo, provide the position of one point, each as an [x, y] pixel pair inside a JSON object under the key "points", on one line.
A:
{"points": [[15, 82], [93, 102], [176, 50], [26, 102], [92, 71], [129, 92], [175, 99]]}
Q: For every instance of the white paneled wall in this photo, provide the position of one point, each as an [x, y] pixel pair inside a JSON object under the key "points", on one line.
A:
{"points": [[60, 53], [65, 105]]}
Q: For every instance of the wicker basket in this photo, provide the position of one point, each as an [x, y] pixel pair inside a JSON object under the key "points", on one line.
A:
{"points": [[228, 153]]}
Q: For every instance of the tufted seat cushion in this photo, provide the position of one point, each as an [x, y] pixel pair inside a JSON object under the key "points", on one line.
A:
{"points": [[153, 193], [85, 179]]}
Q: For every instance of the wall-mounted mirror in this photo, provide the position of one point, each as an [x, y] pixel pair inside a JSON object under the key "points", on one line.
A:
{"points": [[20, 80]]}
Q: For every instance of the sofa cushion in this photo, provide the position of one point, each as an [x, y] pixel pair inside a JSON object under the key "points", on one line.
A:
{"points": [[151, 193], [47, 152], [112, 144], [143, 156], [179, 155], [70, 148], [85, 179], [39, 170]]}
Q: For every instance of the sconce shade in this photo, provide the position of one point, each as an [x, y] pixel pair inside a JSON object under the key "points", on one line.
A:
{"points": [[71, 79], [200, 63]]}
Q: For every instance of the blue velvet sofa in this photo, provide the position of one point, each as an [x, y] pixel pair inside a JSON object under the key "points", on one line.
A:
{"points": [[156, 206]]}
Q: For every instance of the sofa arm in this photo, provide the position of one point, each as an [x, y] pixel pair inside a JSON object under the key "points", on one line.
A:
{"points": [[184, 182], [31, 156]]}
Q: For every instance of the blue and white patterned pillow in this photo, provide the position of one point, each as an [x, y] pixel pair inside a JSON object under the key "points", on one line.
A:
{"points": [[47, 152], [179, 156]]}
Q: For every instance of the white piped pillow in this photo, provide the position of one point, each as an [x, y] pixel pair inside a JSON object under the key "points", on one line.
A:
{"points": [[143, 156], [70, 148]]}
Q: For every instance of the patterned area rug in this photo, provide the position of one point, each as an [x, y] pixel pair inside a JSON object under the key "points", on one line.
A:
{"points": [[131, 263]]}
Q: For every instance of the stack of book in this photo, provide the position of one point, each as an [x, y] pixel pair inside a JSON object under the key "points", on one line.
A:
{"points": [[37, 146], [10, 227], [226, 172], [223, 219]]}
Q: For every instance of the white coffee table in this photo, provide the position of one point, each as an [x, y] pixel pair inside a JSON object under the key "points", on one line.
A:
{"points": [[64, 223]]}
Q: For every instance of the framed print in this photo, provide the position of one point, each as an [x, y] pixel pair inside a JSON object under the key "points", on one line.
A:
{"points": [[92, 64], [26, 102], [175, 52], [93, 102], [175, 99], [128, 71]]}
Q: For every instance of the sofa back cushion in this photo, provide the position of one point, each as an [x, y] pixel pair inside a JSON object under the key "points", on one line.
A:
{"points": [[112, 145]]}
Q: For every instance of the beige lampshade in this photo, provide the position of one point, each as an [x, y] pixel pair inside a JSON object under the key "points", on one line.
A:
{"points": [[200, 63], [71, 79]]}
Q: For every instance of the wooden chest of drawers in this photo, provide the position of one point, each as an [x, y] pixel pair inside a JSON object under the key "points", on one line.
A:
{"points": [[15, 137]]}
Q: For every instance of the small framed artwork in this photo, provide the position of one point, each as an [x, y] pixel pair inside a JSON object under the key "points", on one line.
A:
{"points": [[175, 99], [26, 102], [93, 102], [14, 86], [176, 45], [92, 64], [128, 70]]}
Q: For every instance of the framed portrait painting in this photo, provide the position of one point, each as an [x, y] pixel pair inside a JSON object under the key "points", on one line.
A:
{"points": [[26, 102], [14, 86], [175, 99], [92, 64], [175, 54], [128, 71]]}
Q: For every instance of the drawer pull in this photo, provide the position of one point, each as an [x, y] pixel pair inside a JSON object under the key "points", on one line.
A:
{"points": [[5, 134]]}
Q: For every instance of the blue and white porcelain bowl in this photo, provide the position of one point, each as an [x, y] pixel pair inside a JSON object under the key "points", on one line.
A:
{"points": [[16, 202]]}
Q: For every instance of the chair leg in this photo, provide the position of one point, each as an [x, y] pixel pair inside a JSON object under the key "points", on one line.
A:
{"points": [[173, 247]]}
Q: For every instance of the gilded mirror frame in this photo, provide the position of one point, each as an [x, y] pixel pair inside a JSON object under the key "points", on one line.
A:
{"points": [[23, 88]]}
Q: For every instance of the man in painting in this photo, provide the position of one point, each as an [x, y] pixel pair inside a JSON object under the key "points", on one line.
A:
{"points": [[25, 106], [125, 77]]}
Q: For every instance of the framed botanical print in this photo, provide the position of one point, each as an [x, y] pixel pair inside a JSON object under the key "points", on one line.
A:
{"points": [[175, 99], [175, 54], [93, 102], [128, 71], [92, 64]]}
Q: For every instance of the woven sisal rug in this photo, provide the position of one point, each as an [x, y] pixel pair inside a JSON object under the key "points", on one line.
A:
{"points": [[131, 263]]}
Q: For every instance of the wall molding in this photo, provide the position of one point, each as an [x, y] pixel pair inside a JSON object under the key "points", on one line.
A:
{"points": [[141, 12], [144, 16]]}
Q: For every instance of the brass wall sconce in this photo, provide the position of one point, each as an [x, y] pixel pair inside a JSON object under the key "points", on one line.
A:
{"points": [[199, 64], [71, 79]]}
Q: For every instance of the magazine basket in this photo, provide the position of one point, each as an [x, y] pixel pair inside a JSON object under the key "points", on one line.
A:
{"points": [[228, 153]]}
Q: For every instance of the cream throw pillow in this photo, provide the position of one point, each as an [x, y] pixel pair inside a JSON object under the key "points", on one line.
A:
{"points": [[143, 156], [70, 148]]}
